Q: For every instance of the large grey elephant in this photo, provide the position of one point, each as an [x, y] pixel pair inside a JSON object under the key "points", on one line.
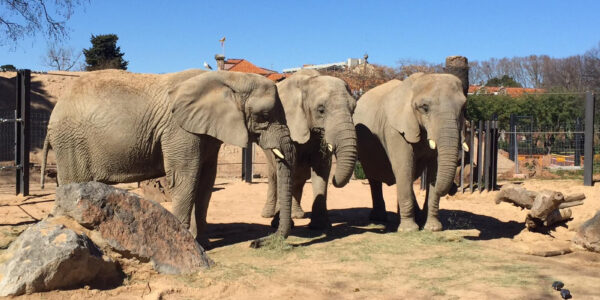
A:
{"points": [[115, 126], [318, 110], [404, 127]]}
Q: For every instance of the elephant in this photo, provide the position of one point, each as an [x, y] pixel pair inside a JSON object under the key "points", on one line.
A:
{"points": [[403, 128], [319, 111], [114, 127]]}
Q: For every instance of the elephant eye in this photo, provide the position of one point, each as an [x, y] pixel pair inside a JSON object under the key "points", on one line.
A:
{"points": [[321, 109], [424, 107]]}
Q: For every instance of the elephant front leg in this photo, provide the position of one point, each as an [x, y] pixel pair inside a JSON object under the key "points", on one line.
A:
{"points": [[205, 188], [406, 207], [183, 190], [319, 217], [297, 187], [271, 206], [378, 213], [432, 202]]}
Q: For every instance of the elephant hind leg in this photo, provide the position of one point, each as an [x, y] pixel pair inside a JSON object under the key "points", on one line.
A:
{"points": [[378, 213]]}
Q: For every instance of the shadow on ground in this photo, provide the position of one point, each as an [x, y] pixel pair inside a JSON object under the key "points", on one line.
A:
{"points": [[489, 227], [353, 221]]}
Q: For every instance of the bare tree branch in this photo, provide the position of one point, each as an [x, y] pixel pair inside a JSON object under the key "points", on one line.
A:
{"points": [[61, 58], [28, 18]]}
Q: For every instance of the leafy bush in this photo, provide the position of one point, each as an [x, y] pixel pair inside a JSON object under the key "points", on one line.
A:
{"points": [[8, 68], [359, 173], [549, 111]]}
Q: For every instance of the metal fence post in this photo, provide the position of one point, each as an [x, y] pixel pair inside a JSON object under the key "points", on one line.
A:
{"points": [[495, 152], [247, 155], [488, 150], [511, 141], [480, 157], [471, 154], [462, 168], [22, 131], [588, 151], [578, 139]]}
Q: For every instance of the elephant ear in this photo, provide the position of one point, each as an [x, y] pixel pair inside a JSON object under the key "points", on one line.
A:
{"points": [[290, 93], [400, 112], [205, 104]]}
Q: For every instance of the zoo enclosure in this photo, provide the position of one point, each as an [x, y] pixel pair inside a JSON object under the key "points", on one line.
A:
{"points": [[21, 134], [547, 135], [527, 137]]}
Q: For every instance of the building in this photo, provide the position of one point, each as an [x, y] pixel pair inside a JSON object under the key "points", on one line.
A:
{"points": [[500, 90], [242, 65], [349, 63]]}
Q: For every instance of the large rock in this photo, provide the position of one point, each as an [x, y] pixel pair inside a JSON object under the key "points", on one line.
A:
{"points": [[49, 256], [132, 226], [588, 234]]}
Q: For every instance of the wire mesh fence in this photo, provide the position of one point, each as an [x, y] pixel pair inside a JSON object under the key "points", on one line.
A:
{"points": [[542, 135], [7, 138]]}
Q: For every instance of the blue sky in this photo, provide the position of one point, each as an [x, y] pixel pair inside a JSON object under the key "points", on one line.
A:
{"points": [[167, 36]]}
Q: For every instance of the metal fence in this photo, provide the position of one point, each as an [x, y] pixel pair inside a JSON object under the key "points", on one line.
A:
{"points": [[555, 151]]}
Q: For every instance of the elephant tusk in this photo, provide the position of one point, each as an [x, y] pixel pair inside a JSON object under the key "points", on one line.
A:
{"points": [[278, 153], [330, 147], [465, 147], [432, 144]]}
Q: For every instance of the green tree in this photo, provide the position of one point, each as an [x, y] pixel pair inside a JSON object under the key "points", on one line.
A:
{"points": [[104, 53], [505, 81], [8, 68]]}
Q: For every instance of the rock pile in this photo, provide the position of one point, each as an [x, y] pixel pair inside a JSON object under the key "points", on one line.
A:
{"points": [[92, 226], [588, 235]]}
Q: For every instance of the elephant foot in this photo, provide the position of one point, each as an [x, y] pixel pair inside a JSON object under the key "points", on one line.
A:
{"points": [[407, 225], [204, 242], [268, 211], [378, 216], [319, 224], [433, 224], [298, 213], [271, 242], [275, 222]]}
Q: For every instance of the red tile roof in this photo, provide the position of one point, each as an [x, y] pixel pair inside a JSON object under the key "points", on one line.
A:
{"points": [[277, 77], [242, 65]]}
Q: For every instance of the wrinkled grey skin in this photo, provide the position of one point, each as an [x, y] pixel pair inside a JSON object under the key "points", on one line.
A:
{"points": [[318, 110], [114, 126], [394, 123]]}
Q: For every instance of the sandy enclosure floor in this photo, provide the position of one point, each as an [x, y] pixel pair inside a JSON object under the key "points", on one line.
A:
{"points": [[482, 254]]}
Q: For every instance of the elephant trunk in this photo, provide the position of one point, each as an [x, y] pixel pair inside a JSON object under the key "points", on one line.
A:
{"points": [[345, 153], [278, 137], [447, 155]]}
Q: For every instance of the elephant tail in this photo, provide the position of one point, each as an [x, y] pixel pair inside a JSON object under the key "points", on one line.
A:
{"points": [[44, 157]]}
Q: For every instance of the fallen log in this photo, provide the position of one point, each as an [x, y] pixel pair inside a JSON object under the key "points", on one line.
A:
{"points": [[570, 204], [546, 207], [516, 195], [557, 215]]}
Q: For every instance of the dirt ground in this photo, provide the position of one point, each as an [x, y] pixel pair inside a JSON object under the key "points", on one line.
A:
{"points": [[484, 252]]}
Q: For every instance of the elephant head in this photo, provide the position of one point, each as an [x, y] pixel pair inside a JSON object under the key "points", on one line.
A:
{"points": [[314, 102], [428, 109], [238, 108]]}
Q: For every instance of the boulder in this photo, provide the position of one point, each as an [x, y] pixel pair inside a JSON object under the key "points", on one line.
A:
{"points": [[588, 234], [132, 226], [49, 256]]}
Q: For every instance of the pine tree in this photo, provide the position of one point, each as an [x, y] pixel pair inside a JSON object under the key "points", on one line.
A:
{"points": [[104, 53]]}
